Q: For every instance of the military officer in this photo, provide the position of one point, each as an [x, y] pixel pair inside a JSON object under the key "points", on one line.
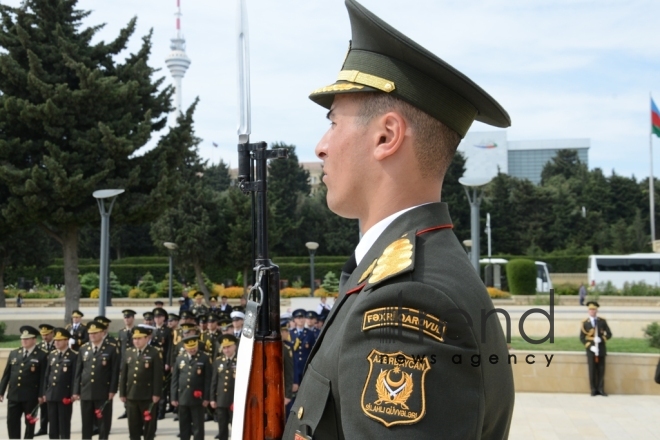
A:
{"points": [[47, 345], [237, 320], [213, 305], [225, 326], [162, 338], [78, 330], [287, 359], [594, 333], [173, 321], [191, 382], [96, 381], [141, 385], [210, 337], [23, 376], [222, 384], [58, 385], [199, 308], [148, 318], [302, 340], [310, 323], [397, 114], [125, 338], [106, 333]]}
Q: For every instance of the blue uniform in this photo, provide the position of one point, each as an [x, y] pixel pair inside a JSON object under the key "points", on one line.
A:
{"points": [[303, 341]]}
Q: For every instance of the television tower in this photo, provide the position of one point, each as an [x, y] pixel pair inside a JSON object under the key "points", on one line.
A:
{"points": [[177, 61]]}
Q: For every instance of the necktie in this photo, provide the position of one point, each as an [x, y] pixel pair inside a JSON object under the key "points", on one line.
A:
{"points": [[96, 349], [139, 353], [25, 352], [60, 355]]}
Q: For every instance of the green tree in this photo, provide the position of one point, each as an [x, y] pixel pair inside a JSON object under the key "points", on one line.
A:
{"points": [[239, 239], [71, 118], [330, 282], [454, 195], [566, 163], [218, 176]]}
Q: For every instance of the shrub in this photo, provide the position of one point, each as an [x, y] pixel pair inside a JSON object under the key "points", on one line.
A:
{"points": [[497, 293], [321, 293], [567, 289], [297, 284], [88, 282], [330, 282], [95, 293], [125, 288], [207, 283], [137, 293], [115, 285], [521, 275], [147, 284], [652, 331], [218, 290], [233, 292], [292, 292], [164, 287]]}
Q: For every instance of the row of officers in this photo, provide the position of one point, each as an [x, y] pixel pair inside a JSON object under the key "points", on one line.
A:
{"points": [[183, 364]]}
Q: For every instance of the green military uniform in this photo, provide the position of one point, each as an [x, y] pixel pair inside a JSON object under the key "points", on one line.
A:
{"points": [[222, 387], [78, 332], [199, 309], [141, 379], [44, 330], [596, 362], [162, 339], [96, 378], [23, 381], [394, 357], [191, 381], [58, 387]]}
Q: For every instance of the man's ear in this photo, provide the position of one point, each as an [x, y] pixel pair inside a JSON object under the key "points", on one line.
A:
{"points": [[391, 132]]}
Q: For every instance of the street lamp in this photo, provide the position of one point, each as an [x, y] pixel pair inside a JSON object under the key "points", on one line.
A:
{"points": [[104, 264], [312, 246], [474, 183], [171, 247]]}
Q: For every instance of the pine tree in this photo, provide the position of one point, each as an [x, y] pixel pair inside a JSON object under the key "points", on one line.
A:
{"points": [[71, 119]]}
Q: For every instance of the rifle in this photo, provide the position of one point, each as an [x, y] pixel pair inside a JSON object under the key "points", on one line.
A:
{"points": [[259, 395]]}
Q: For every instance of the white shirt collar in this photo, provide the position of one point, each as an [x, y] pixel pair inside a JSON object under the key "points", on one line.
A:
{"points": [[370, 237]]}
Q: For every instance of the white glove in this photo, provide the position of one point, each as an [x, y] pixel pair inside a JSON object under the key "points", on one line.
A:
{"points": [[71, 342]]}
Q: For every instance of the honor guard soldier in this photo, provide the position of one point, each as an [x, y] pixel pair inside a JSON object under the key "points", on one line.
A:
{"points": [[594, 334], [106, 333], [78, 331], [199, 308], [162, 336], [23, 381], [58, 385], [141, 385], [302, 340], [96, 381], [397, 115], [47, 345], [191, 382], [222, 384]]}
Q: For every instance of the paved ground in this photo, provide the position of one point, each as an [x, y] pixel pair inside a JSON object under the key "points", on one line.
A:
{"points": [[536, 417]]}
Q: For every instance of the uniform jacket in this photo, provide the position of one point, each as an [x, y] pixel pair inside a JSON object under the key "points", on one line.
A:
{"points": [[46, 347], [97, 374], [162, 338], [587, 335], [125, 340], [386, 363], [190, 375], [210, 342], [60, 375], [80, 335], [142, 377], [302, 342], [199, 309], [287, 359], [24, 377], [222, 381]]}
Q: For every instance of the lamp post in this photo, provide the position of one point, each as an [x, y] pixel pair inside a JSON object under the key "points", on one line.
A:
{"points": [[171, 247], [104, 264], [474, 183], [312, 246]]}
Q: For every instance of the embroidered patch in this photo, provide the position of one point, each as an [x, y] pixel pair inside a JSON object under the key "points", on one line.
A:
{"points": [[396, 257], [404, 317], [393, 392]]}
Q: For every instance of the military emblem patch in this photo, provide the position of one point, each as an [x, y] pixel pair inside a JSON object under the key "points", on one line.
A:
{"points": [[393, 392]]}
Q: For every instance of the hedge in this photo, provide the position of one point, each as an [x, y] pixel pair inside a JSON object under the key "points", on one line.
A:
{"points": [[521, 275]]}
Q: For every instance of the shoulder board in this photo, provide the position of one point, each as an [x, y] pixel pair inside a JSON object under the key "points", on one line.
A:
{"points": [[73, 351], [585, 320], [18, 350], [111, 343], [397, 258], [45, 351]]}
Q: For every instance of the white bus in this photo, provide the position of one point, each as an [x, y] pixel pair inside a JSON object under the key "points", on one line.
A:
{"points": [[543, 281], [620, 269]]}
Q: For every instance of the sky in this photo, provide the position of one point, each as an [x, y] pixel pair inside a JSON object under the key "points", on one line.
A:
{"points": [[561, 68]]}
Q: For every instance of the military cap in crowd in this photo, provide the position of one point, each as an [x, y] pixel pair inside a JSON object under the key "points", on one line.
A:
{"points": [[224, 323], [173, 317], [213, 299], [213, 318], [159, 311], [593, 305], [61, 334], [190, 341], [299, 313], [202, 319], [322, 318], [128, 313], [311, 315], [96, 326], [286, 315], [159, 303], [237, 315], [45, 329], [239, 309], [187, 326], [141, 331], [103, 319], [27, 332], [148, 316], [198, 294], [228, 340], [187, 314], [77, 313], [223, 315], [284, 324]]}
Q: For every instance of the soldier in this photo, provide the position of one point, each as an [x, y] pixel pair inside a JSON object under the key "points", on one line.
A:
{"points": [[310, 323], [23, 375], [222, 384], [199, 308], [173, 321], [211, 336], [162, 336], [202, 320], [125, 339], [58, 385], [106, 332], [78, 331], [237, 318], [148, 318], [594, 333], [213, 305], [96, 381], [191, 381], [397, 114], [287, 357], [141, 385], [226, 326], [302, 340], [47, 345]]}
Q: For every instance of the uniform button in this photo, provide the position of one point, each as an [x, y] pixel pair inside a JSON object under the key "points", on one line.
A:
{"points": [[92, 380], [134, 381], [20, 371], [19, 377], [225, 389], [56, 371], [136, 368], [300, 412]]}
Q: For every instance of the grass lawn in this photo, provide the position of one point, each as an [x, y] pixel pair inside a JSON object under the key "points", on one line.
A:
{"points": [[616, 345]]}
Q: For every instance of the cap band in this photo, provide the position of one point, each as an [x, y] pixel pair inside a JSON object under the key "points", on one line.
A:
{"points": [[355, 76]]}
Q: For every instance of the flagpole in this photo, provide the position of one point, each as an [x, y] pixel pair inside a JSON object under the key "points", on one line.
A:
{"points": [[651, 185]]}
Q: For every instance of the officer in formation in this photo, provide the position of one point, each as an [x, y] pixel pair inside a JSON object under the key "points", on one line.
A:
{"points": [[141, 385], [125, 339], [162, 339], [222, 384], [302, 340], [594, 334], [190, 390], [22, 380], [199, 308], [58, 384], [287, 360], [148, 318], [311, 318], [106, 333], [237, 320], [47, 345], [96, 381], [78, 330]]}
